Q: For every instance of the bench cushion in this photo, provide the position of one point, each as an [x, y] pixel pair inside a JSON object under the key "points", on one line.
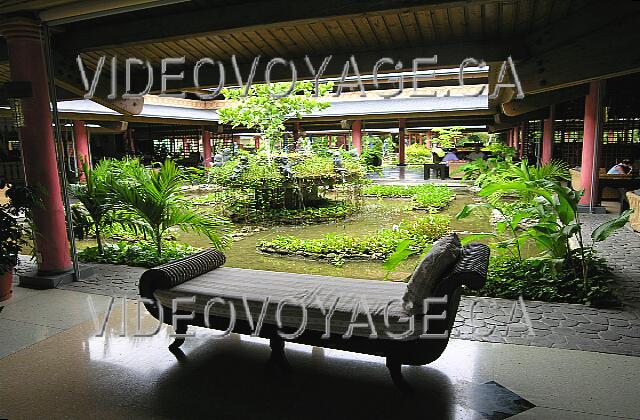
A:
{"points": [[436, 265], [318, 293]]}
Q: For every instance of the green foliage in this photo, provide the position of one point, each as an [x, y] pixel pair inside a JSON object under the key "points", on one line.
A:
{"points": [[12, 235], [537, 279], [425, 196], [423, 231], [139, 254], [447, 137], [266, 107], [435, 197], [150, 201], [418, 154], [95, 194]]}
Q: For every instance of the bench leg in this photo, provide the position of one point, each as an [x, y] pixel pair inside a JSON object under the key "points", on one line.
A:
{"points": [[181, 328], [395, 370], [278, 357]]}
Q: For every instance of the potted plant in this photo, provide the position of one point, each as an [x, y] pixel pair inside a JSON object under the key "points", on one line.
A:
{"points": [[11, 241]]}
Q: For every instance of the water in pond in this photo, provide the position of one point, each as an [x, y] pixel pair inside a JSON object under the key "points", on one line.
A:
{"points": [[376, 214]]}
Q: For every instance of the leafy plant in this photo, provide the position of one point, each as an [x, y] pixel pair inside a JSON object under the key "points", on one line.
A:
{"points": [[423, 231], [95, 194], [137, 254], [418, 154], [266, 107], [151, 201]]}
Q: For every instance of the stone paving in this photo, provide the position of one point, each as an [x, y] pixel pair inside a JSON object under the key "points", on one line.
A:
{"points": [[556, 325]]}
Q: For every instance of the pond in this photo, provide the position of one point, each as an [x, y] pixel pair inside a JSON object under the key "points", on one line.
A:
{"points": [[375, 214]]}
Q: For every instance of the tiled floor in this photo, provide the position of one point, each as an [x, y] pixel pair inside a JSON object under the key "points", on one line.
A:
{"points": [[74, 374]]}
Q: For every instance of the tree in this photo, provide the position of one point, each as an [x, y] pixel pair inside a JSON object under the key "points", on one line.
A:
{"points": [[150, 200], [266, 107]]}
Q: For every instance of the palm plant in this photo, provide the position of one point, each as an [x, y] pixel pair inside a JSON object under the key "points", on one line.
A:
{"points": [[95, 195], [150, 200]]}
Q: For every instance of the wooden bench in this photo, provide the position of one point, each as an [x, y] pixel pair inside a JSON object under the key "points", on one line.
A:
{"points": [[199, 280]]}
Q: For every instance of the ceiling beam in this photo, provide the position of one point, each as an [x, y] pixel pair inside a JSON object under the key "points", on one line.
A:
{"points": [[232, 17], [602, 52], [542, 100]]}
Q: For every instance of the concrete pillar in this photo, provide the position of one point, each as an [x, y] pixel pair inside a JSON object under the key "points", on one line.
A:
{"points": [[592, 139], [401, 139], [356, 135], [27, 63], [206, 148], [81, 140], [547, 137]]}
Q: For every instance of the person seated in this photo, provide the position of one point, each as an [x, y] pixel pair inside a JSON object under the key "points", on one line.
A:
{"points": [[621, 168], [437, 153], [476, 154], [450, 156]]}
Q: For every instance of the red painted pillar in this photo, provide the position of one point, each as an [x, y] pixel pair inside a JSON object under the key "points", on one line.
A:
{"points": [[429, 139], [329, 140], [356, 135], [516, 138], [256, 141], [592, 138], [26, 60], [206, 148], [509, 138], [81, 140], [401, 139], [547, 137]]}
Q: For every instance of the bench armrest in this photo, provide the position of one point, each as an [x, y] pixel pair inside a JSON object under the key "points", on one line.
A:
{"points": [[177, 272]]}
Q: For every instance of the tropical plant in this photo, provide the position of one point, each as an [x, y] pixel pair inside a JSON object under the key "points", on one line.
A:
{"points": [[557, 221], [447, 137], [137, 254], [96, 196], [266, 107], [418, 154], [150, 200]]}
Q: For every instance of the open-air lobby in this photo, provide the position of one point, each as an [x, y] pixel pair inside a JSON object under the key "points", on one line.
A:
{"points": [[319, 210]]}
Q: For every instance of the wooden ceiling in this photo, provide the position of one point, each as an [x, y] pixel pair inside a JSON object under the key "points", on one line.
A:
{"points": [[425, 26], [417, 27]]}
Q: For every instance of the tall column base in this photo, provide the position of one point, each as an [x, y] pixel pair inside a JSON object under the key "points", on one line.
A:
{"points": [[37, 280]]}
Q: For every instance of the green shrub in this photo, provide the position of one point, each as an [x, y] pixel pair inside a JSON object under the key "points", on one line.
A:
{"points": [[426, 196], [423, 231], [138, 254], [418, 154], [538, 279]]}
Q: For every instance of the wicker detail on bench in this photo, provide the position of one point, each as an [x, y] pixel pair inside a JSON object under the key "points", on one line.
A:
{"points": [[177, 272]]}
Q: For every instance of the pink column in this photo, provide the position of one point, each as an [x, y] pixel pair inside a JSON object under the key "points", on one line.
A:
{"points": [[401, 139], [356, 135], [26, 60], [206, 148], [81, 140], [547, 137], [429, 139], [592, 138], [510, 138]]}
